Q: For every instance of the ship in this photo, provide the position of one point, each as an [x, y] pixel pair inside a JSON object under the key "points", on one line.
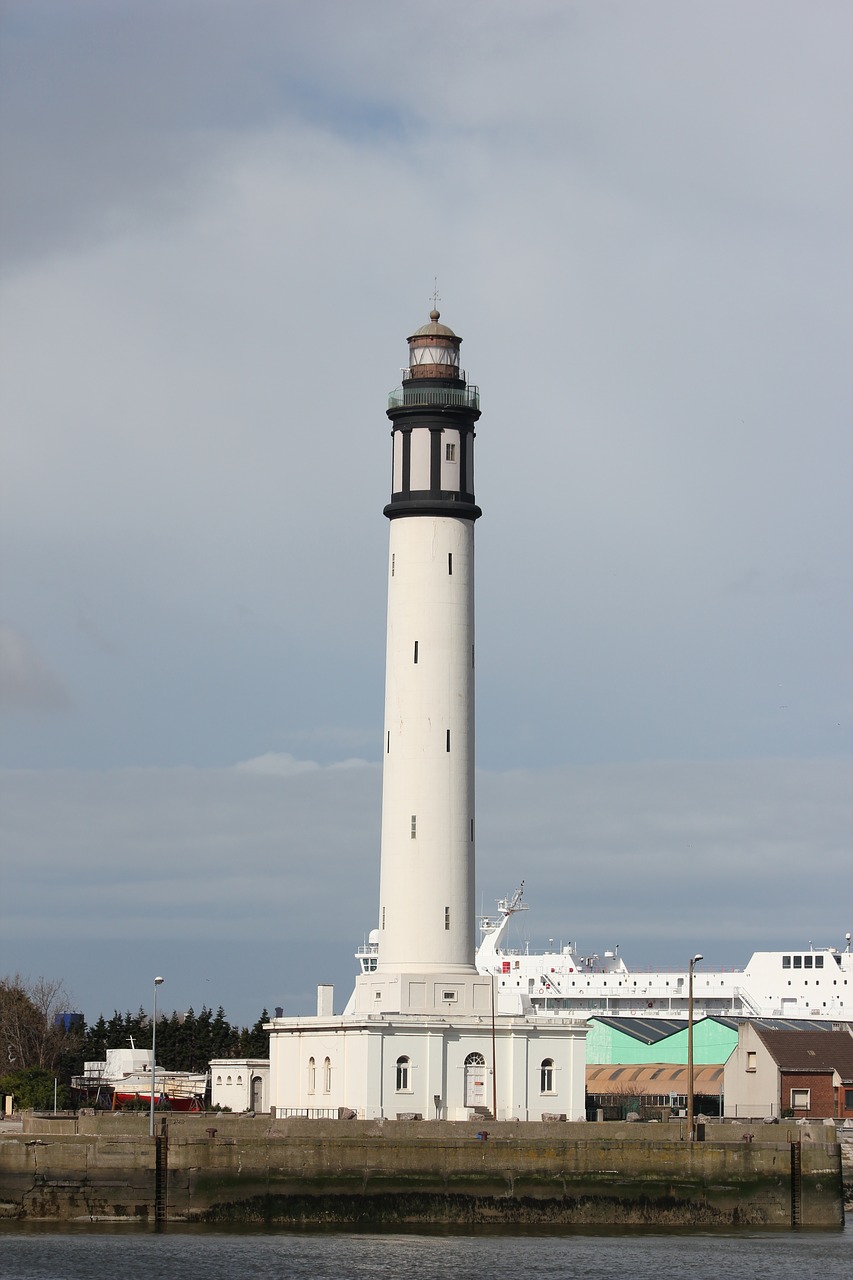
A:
{"points": [[123, 1080], [812, 982]]}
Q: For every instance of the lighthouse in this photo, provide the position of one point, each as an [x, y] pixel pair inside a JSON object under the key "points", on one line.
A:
{"points": [[426, 908], [421, 1036]]}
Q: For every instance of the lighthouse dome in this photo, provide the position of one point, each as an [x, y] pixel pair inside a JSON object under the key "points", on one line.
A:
{"points": [[434, 329]]}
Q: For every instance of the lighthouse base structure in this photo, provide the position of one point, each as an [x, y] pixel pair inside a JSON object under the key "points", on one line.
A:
{"points": [[439, 1066]]}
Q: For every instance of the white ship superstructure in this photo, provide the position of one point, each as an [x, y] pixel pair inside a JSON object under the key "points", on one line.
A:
{"points": [[799, 982]]}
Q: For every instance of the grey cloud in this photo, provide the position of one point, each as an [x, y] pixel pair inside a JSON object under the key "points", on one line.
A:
{"points": [[219, 867], [218, 236]]}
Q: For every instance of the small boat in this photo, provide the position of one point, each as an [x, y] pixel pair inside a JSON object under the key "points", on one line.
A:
{"points": [[123, 1080]]}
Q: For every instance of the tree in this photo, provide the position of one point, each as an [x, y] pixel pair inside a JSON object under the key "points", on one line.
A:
{"points": [[33, 1088], [256, 1043], [29, 1036]]}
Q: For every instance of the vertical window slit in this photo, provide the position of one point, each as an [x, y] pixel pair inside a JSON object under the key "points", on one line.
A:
{"points": [[448, 739], [414, 827], [447, 917], [393, 562], [472, 828], [416, 651], [450, 562], [388, 743]]}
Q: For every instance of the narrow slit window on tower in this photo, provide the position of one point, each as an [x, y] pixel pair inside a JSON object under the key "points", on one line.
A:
{"points": [[450, 562], [393, 562], [450, 453], [383, 917], [416, 651], [388, 743], [448, 739], [414, 827], [472, 828], [447, 917], [472, 656]]}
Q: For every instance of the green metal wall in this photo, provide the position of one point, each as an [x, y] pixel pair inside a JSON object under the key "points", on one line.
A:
{"points": [[712, 1043]]}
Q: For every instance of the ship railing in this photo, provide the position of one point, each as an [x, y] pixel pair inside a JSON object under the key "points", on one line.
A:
{"points": [[181, 1090], [88, 1082]]}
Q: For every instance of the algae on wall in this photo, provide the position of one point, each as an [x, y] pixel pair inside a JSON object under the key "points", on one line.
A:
{"points": [[349, 1171]]}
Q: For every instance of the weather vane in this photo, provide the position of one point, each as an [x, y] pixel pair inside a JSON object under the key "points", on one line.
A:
{"points": [[435, 294]]}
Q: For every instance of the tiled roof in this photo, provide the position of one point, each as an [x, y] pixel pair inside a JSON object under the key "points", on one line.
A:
{"points": [[811, 1051]]}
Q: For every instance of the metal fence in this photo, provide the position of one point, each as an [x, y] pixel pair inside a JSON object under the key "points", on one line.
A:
{"points": [[412, 394]]}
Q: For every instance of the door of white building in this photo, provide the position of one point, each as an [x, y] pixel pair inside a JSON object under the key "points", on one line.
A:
{"points": [[475, 1080]]}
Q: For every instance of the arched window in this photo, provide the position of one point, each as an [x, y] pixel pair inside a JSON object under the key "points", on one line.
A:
{"points": [[403, 1075], [475, 1060], [239, 1079], [227, 1079], [312, 1075], [219, 1079], [546, 1076], [327, 1076]]}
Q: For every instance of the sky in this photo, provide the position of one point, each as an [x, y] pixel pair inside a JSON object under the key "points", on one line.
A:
{"points": [[220, 221]]}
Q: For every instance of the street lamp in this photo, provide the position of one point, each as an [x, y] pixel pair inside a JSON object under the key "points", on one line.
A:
{"points": [[691, 1126], [158, 982]]}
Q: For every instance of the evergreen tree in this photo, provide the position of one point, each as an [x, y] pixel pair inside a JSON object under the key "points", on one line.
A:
{"points": [[169, 1034], [222, 1036], [203, 1040], [187, 1044], [256, 1043], [95, 1042]]}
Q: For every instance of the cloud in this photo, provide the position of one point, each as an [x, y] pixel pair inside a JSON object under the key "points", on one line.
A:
{"points": [[276, 765], [256, 883], [217, 236]]}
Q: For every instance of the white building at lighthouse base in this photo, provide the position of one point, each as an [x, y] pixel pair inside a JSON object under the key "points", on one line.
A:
{"points": [[452, 1061]]}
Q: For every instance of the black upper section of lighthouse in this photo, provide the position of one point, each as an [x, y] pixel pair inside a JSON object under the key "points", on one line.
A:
{"points": [[432, 429]]}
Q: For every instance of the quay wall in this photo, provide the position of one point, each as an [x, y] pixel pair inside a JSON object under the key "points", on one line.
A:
{"points": [[256, 1170]]}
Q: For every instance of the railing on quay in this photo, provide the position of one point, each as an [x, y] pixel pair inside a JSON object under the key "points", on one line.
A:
{"points": [[310, 1113]]}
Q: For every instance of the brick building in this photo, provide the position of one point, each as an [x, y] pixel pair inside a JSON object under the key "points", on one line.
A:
{"points": [[804, 1074]]}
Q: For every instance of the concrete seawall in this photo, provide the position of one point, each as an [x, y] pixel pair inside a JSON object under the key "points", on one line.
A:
{"points": [[240, 1169]]}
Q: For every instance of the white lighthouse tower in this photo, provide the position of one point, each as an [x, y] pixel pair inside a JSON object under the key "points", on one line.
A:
{"points": [[420, 1036], [426, 904]]}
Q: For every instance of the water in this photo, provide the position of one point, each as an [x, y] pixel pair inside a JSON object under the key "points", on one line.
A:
{"points": [[186, 1253]]}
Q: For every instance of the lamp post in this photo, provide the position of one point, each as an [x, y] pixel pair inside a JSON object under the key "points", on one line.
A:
{"points": [[157, 983], [690, 1122]]}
